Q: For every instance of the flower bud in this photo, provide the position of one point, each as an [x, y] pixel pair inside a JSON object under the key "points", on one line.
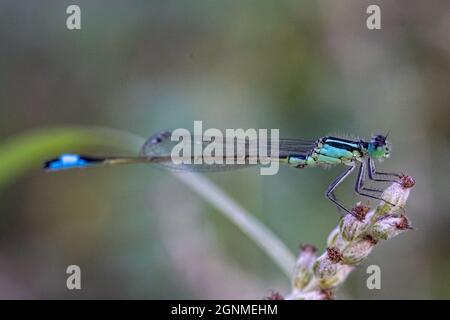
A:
{"points": [[390, 226], [396, 194], [353, 226], [342, 273], [358, 250], [326, 265], [324, 268], [303, 272], [333, 237]]}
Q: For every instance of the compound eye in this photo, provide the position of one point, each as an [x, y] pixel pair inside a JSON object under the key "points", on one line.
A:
{"points": [[380, 140]]}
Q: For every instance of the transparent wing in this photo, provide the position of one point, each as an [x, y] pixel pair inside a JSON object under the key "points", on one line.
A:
{"points": [[244, 153]]}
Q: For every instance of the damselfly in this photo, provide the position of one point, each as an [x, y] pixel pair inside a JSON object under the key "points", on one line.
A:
{"points": [[325, 151]]}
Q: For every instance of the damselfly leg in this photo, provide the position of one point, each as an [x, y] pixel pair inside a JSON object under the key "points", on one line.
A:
{"points": [[330, 191], [359, 185], [361, 179], [372, 172]]}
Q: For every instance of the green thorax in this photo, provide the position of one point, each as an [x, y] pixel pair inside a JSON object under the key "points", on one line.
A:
{"points": [[330, 151]]}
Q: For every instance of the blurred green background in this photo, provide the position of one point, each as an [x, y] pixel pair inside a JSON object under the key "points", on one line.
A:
{"points": [[307, 67]]}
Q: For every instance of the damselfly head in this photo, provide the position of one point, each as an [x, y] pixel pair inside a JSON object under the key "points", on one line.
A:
{"points": [[379, 147]]}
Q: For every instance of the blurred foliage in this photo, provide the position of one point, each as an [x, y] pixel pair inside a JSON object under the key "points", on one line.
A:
{"points": [[21, 153]]}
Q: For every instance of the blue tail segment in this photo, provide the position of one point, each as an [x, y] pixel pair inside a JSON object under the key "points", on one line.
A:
{"points": [[70, 161]]}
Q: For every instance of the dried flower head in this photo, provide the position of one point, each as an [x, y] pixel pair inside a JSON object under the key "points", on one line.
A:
{"points": [[350, 243], [274, 295], [351, 226], [390, 226], [303, 271]]}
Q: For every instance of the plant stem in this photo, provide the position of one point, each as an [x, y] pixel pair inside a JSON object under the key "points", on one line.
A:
{"points": [[27, 151]]}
